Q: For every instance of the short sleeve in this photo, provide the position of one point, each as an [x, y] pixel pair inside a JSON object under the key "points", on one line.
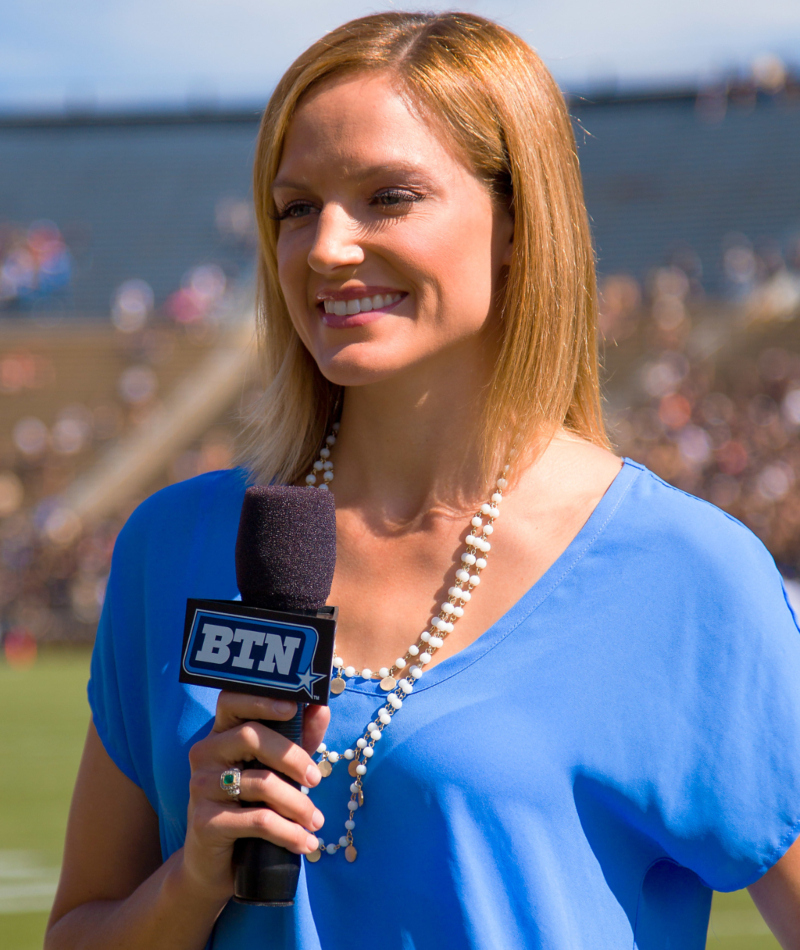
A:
{"points": [[105, 696], [719, 697]]}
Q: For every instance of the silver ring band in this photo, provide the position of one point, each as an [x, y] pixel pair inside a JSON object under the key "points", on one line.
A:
{"points": [[230, 781]]}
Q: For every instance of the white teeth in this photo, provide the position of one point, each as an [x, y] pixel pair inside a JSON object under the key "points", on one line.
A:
{"points": [[351, 307]]}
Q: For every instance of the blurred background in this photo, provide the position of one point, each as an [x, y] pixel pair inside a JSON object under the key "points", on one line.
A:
{"points": [[126, 258]]}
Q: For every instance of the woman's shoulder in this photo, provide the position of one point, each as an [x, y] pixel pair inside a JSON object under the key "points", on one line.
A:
{"points": [[687, 537], [172, 513]]}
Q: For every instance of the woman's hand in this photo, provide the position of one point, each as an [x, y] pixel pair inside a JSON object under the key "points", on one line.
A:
{"points": [[215, 821]]}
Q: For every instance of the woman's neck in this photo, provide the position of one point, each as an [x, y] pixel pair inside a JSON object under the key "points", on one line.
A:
{"points": [[411, 446]]}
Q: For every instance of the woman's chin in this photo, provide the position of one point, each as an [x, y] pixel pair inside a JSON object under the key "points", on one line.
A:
{"points": [[350, 369]]}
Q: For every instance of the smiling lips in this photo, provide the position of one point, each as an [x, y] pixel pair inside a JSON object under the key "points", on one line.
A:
{"points": [[342, 308]]}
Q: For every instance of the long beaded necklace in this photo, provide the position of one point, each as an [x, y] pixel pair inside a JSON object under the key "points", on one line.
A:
{"points": [[394, 680]]}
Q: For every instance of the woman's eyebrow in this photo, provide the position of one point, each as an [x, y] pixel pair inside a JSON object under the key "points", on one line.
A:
{"points": [[359, 173]]}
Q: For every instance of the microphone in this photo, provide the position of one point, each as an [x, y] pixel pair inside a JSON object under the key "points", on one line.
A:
{"points": [[285, 558], [278, 642]]}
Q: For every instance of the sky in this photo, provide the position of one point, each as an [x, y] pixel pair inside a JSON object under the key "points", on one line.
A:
{"points": [[109, 54]]}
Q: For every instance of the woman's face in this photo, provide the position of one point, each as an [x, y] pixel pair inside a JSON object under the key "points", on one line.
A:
{"points": [[390, 249]]}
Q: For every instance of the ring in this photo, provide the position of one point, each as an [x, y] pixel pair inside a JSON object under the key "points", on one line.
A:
{"points": [[231, 782]]}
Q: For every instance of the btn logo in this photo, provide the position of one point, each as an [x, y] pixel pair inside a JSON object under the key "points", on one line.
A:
{"points": [[252, 650]]}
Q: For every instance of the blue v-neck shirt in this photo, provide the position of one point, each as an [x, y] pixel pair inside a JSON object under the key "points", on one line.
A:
{"points": [[625, 739]]}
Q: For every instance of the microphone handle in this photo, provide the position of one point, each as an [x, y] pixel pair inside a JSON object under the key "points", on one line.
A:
{"points": [[265, 873]]}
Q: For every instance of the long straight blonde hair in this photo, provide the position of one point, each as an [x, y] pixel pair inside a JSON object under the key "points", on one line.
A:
{"points": [[489, 92]]}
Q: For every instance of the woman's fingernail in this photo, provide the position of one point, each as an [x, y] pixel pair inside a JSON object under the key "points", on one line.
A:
{"points": [[282, 706], [317, 819], [313, 775], [313, 843]]}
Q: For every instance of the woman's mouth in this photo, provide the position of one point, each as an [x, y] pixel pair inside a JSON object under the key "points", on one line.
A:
{"points": [[358, 311]]}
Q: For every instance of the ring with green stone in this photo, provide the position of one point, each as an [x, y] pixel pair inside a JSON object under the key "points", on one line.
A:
{"points": [[231, 782]]}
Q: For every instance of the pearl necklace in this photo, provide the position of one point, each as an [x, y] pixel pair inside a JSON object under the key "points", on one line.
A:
{"points": [[399, 689]]}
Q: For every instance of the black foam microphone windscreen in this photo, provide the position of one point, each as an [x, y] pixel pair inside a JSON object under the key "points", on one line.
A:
{"points": [[286, 547], [285, 559]]}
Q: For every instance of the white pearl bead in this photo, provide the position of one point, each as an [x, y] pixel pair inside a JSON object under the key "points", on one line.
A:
{"points": [[348, 753], [327, 466], [361, 770], [435, 642], [486, 547], [394, 700], [481, 563], [353, 788], [361, 743], [486, 508], [311, 479], [413, 650], [336, 426], [458, 611], [439, 623], [416, 672], [338, 662], [331, 440], [449, 628], [328, 476], [368, 752], [425, 637], [476, 522], [470, 539], [497, 497], [494, 512], [343, 842], [317, 466], [321, 844], [383, 672], [325, 453], [475, 580], [502, 483], [350, 825], [465, 595], [424, 658], [399, 663], [454, 591], [447, 608], [488, 529], [323, 487], [322, 747], [375, 735], [331, 849], [333, 757], [407, 686], [468, 558], [349, 671], [304, 789], [384, 717], [352, 806], [463, 576], [366, 673]]}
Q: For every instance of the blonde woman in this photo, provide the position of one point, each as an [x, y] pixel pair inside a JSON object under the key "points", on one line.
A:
{"points": [[599, 722]]}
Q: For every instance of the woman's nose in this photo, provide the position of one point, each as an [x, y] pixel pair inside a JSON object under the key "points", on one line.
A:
{"points": [[335, 242]]}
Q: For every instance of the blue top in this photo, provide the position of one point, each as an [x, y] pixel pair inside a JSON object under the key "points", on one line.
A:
{"points": [[619, 743]]}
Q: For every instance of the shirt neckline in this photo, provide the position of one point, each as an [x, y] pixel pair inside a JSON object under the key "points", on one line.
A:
{"points": [[570, 557]]}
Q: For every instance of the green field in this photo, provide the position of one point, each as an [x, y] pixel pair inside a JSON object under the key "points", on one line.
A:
{"points": [[43, 712]]}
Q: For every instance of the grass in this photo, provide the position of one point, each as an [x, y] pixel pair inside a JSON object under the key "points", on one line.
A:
{"points": [[44, 714]]}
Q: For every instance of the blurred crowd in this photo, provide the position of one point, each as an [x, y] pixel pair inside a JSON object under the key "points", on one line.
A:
{"points": [[707, 393], [53, 573], [35, 266]]}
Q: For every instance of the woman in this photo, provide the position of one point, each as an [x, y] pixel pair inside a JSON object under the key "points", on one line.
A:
{"points": [[607, 723]]}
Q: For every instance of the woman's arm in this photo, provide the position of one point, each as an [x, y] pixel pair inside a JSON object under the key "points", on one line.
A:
{"points": [[777, 896], [115, 892]]}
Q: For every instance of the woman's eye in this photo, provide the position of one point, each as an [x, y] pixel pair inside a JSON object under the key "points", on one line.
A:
{"points": [[396, 197], [295, 209]]}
